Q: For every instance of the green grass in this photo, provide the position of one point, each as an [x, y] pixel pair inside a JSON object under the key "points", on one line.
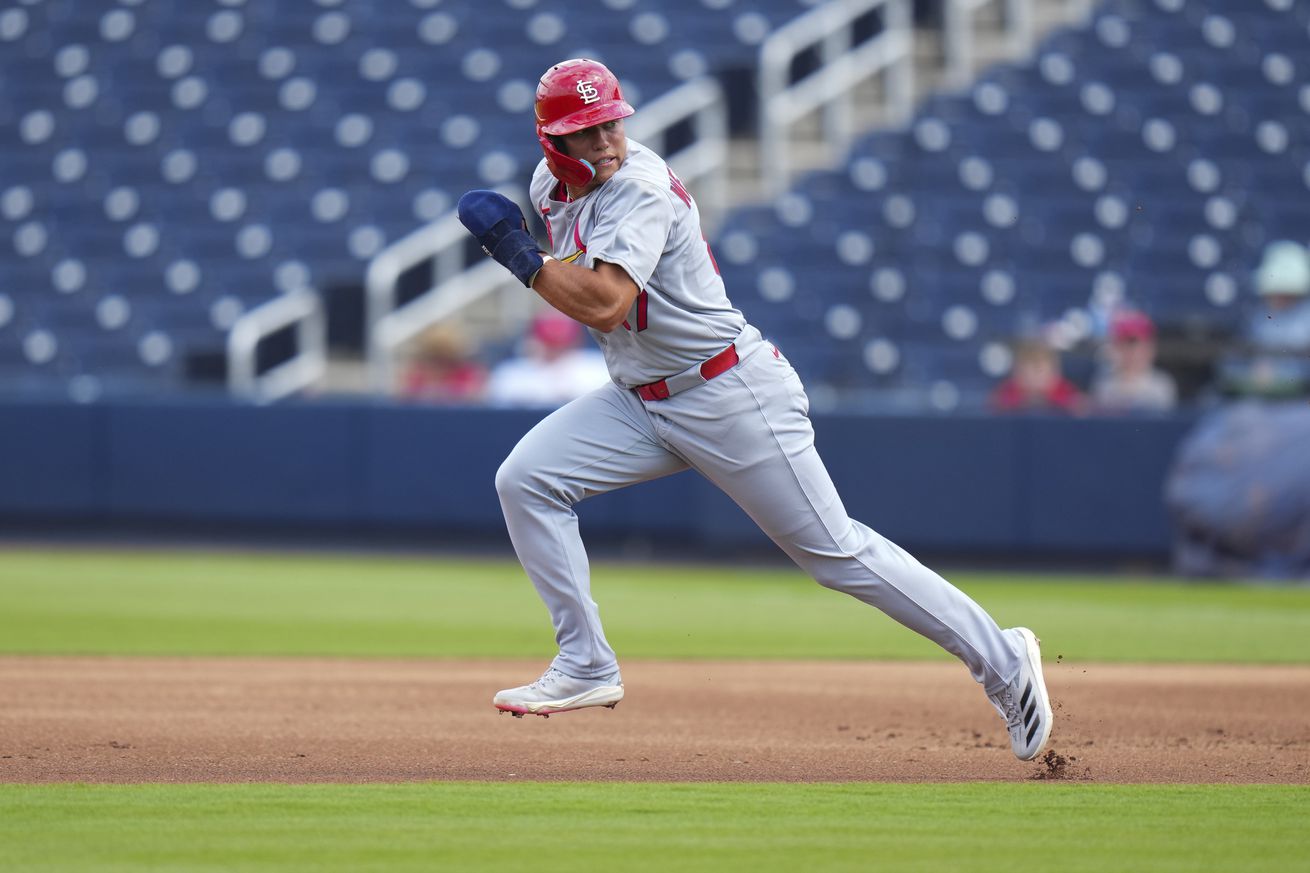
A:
{"points": [[654, 827], [196, 603]]}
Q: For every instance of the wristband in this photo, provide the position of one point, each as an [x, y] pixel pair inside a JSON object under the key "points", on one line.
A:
{"points": [[545, 259]]}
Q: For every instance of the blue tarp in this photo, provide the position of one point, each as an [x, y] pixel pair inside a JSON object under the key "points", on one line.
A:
{"points": [[1239, 492]]}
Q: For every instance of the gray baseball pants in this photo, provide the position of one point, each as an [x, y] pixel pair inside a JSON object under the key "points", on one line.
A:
{"points": [[748, 431]]}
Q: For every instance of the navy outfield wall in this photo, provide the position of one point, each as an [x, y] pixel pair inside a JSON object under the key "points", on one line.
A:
{"points": [[984, 485]]}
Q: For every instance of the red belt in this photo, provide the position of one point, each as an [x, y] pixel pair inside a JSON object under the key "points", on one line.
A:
{"points": [[715, 366]]}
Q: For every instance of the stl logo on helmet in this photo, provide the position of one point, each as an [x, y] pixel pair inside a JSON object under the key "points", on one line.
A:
{"points": [[588, 91]]}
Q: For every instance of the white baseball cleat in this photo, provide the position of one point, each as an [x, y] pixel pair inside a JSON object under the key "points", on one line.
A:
{"points": [[1024, 703], [559, 692]]}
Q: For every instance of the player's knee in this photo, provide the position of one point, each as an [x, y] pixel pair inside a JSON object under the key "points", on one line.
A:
{"points": [[510, 479], [835, 581], [836, 568], [518, 481]]}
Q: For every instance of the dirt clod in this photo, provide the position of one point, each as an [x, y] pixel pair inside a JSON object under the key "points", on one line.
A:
{"points": [[1053, 765]]}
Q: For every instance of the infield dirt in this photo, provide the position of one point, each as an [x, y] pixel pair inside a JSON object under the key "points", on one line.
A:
{"points": [[300, 720]]}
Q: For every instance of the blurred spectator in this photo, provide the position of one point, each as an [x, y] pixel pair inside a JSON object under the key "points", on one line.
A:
{"points": [[552, 368], [1278, 335], [443, 367], [1037, 383], [1283, 282], [1239, 493], [1131, 382]]}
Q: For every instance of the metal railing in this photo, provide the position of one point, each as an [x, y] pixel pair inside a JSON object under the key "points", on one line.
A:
{"points": [[457, 286], [843, 66], [388, 326], [443, 301], [302, 308], [958, 34], [1079, 10]]}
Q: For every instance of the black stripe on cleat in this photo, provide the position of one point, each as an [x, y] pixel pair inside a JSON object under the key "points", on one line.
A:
{"points": [[1027, 692], [1032, 731]]}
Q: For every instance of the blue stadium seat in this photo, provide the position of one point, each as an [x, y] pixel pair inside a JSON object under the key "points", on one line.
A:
{"points": [[173, 155], [1152, 146], [224, 124]]}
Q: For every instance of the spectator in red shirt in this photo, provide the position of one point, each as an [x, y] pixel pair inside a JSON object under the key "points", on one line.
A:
{"points": [[1036, 384], [443, 368]]}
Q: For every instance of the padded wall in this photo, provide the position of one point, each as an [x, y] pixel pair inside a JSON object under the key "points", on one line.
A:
{"points": [[988, 486]]}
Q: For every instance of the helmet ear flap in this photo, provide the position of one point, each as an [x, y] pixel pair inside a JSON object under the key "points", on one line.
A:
{"points": [[570, 171]]}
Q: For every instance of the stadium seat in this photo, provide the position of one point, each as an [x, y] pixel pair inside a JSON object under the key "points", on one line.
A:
{"points": [[1149, 154], [237, 137], [174, 158]]}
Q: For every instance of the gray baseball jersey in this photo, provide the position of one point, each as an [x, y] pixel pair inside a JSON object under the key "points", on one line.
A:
{"points": [[746, 429], [644, 221]]}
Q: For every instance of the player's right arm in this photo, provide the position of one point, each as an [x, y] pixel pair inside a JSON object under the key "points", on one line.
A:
{"points": [[598, 297], [624, 246]]}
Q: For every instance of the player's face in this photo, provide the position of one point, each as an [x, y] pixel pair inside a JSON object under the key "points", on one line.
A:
{"points": [[604, 145]]}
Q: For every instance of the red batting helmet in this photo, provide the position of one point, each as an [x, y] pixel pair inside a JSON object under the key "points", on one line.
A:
{"points": [[571, 96]]}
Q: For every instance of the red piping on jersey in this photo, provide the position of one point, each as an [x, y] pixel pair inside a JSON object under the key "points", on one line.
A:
{"points": [[678, 188], [581, 250]]}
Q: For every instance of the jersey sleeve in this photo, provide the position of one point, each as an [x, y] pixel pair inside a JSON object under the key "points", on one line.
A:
{"points": [[632, 230], [539, 190]]}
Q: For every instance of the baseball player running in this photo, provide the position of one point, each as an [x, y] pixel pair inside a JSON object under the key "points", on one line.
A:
{"points": [[694, 386]]}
